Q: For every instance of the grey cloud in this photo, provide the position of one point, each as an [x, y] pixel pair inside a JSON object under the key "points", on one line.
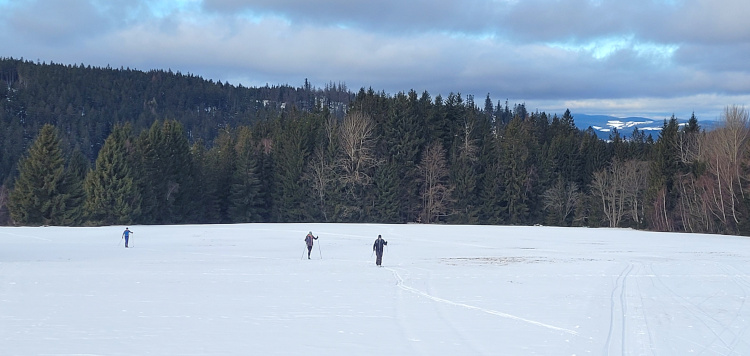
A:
{"points": [[394, 16], [657, 21], [54, 22], [715, 57], [530, 50]]}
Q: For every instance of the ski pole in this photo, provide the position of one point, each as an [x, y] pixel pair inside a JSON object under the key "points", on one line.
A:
{"points": [[321, 253], [303, 253]]}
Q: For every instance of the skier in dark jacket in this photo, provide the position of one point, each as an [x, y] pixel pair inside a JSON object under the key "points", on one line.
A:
{"points": [[126, 235], [378, 248], [309, 240]]}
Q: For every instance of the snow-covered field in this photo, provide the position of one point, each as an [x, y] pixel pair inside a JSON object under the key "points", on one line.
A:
{"points": [[443, 290]]}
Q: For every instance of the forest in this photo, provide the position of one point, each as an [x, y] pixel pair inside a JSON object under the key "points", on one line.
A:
{"points": [[91, 146]]}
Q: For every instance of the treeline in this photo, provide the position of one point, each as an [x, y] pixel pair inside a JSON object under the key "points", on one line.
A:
{"points": [[398, 158], [85, 103]]}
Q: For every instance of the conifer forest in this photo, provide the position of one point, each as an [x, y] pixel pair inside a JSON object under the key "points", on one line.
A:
{"points": [[89, 146]]}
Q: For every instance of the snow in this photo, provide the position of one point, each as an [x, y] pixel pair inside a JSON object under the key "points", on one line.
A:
{"points": [[443, 290]]}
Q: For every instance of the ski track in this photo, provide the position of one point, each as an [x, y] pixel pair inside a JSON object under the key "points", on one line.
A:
{"points": [[23, 235], [743, 284], [649, 346], [402, 285], [406, 331], [705, 318], [619, 285], [464, 338]]}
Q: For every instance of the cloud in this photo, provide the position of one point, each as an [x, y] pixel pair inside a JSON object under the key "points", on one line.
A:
{"points": [[594, 54], [55, 23]]}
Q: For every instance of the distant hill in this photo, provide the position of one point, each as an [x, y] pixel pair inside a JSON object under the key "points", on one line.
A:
{"points": [[604, 124]]}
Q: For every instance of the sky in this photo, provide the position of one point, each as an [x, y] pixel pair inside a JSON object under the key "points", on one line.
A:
{"points": [[650, 58], [442, 290]]}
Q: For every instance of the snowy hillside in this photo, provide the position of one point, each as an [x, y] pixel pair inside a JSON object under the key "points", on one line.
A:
{"points": [[443, 290], [603, 125]]}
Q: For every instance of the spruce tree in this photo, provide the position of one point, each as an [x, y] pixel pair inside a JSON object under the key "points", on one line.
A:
{"points": [[220, 166], [244, 203], [388, 198], [205, 210], [515, 160], [489, 185], [404, 140], [164, 176], [111, 193], [662, 194], [464, 167], [45, 193], [77, 168], [293, 141]]}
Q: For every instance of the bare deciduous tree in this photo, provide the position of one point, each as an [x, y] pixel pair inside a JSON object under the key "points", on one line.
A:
{"points": [[357, 145], [689, 146], [634, 186], [320, 175], [435, 190], [620, 188], [694, 206], [321, 170], [725, 153], [606, 185], [561, 199]]}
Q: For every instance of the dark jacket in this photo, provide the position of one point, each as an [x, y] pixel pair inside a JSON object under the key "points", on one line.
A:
{"points": [[378, 245]]}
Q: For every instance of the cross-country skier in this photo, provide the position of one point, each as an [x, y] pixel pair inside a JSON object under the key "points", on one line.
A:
{"points": [[378, 248], [126, 235], [309, 240]]}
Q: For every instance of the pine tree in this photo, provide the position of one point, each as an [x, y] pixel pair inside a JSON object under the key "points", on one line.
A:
{"points": [[164, 175], [220, 165], [293, 141], [206, 210], [245, 205], [404, 140], [78, 167], [515, 161], [111, 194], [489, 185], [662, 194], [388, 200], [45, 193], [464, 167]]}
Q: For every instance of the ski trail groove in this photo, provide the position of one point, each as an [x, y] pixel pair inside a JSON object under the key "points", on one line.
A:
{"points": [[696, 312], [732, 272], [619, 284], [489, 311]]}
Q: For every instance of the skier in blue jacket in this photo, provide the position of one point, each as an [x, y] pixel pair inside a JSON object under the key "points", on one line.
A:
{"points": [[126, 235]]}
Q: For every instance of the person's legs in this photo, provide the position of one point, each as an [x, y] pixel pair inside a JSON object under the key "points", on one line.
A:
{"points": [[379, 259], [309, 249], [126, 241]]}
